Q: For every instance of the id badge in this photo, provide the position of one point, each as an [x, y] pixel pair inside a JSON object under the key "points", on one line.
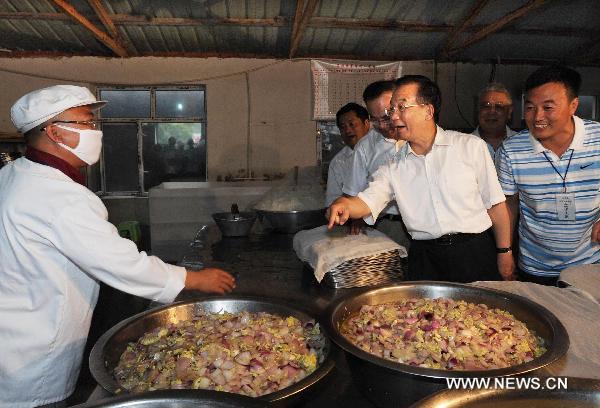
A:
{"points": [[565, 207]]}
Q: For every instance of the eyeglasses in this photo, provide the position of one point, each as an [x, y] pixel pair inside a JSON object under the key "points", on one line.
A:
{"points": [[91, 123], [490, 106], [384, 120], [398, 108]]}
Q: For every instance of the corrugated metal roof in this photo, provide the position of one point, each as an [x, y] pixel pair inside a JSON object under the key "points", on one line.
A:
{"points": [[523, 30]]}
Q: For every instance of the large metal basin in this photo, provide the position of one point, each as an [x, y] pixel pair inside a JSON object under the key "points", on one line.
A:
{"points": [[290, 222], [177, 399], [578, 393], [108, 349], [390, 384]]}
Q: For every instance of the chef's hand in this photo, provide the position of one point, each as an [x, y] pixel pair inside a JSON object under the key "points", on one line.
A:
{"points": [[506, 266], [357, 227], [596, 232], [210, 280], [337, 213]]}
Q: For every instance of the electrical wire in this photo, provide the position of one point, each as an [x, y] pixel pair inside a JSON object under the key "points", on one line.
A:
{"points": [[456, 100], [171, 82]]}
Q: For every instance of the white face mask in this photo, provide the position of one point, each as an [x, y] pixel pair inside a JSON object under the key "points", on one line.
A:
{"points": [[89, 146]]}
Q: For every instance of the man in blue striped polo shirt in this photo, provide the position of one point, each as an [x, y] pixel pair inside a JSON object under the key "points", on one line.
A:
{"points": [[551, 174]]}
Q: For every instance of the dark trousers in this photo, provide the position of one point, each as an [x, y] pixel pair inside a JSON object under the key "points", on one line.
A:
{"points": [[540, 280], [465, 261]]}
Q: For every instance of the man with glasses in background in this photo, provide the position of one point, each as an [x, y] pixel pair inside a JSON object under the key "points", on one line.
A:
{"points": [[446, 188], [378, 147], [56, 245], [494, 111]]}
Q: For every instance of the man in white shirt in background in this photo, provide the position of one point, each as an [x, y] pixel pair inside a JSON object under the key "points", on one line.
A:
{"points": [[353, 122], [494, 112], [447, 190], [378, 147]]}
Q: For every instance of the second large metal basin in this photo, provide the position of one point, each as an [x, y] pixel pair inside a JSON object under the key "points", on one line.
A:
{"points": [[106, 352], [289, 222], [392, 384]]}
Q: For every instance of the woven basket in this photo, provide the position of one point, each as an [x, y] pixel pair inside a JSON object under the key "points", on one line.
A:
{"points": [[386, 267]]}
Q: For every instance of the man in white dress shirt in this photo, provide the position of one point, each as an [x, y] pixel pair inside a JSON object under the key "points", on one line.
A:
{"points": [[494, 111], [447, 191], [353, 122], [378, 147]]}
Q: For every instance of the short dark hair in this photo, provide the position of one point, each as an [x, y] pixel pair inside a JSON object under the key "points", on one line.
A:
{"points": [[428, 91], [361, 111], [375, 89], [555, 73]]}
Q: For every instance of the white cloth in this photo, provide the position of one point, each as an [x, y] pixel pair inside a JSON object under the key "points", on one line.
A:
{"points": [[325, 250], [585, 278], [509, 133], [370, 153], [448, 190], [55, 245], [339, 168], [577, 313]]}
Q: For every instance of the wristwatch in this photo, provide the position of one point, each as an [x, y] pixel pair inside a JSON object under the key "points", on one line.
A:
{"points": [[503, 250]]}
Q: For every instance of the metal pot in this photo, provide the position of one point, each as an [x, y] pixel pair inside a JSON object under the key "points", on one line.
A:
{"points": [[234, 225], [290, 222], [390, 384], [177, 399], [106, 352], [579, 393]]}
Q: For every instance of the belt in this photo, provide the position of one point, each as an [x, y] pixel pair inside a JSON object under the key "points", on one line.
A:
{"points": [[391, 217], [451, 239]]}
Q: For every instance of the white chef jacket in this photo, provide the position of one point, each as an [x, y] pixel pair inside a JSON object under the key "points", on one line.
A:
{"points": [[55, 245], [447, 190], [372, 151], [337, 173], [509, 133]]}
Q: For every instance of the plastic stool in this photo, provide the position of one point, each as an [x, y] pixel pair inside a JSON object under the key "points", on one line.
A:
{"points": [[130, 230]]}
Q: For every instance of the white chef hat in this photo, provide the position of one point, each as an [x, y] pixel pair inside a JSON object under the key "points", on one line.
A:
{"points": [[38, 106]]}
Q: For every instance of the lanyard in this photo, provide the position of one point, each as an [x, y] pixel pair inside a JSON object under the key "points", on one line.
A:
{"points": [[564, 179]]}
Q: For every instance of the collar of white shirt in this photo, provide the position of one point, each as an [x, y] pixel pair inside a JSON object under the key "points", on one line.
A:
{"points": [[576, 143], [441, 139]]}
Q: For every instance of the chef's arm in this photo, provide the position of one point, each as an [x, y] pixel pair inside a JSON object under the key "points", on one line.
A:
{"points": [[209, 280], [344, 208], [499, 214]]}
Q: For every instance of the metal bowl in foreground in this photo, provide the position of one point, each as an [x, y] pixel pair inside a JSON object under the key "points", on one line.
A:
{"points": [[392, 384], [177, 399], [565, 392], [234, 225], [289, 222], [105, 354]]}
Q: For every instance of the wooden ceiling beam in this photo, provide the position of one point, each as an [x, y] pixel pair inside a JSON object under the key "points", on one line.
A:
{"points": [[104, 18], [108, 23], [301, 18], [104, 38], [315, 22], [359, 24], [459, 28], [497, 25]]}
